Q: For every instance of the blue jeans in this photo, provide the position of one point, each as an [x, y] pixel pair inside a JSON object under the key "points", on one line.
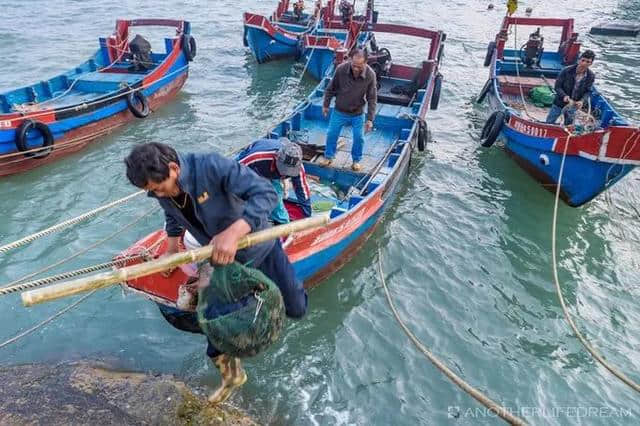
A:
{"points": [[336, 122], [279, 215], [554, 113]]}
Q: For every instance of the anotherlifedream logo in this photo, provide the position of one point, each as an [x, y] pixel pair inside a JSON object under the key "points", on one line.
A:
{"points": [[454, 412]]}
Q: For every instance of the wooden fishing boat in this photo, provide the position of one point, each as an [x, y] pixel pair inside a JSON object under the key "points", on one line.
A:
{"points": [[602, 148], [280, 37], [57, 117], [356, 200]]}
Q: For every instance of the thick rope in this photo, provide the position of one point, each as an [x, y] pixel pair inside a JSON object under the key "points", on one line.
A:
{"points": [[144, 255], [66, 223], [619, 374], [70, 274], [47, 321], [479, 396], [86, 249]]}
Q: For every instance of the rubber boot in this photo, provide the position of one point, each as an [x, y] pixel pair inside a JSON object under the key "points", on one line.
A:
{"points": [[232, 374]]}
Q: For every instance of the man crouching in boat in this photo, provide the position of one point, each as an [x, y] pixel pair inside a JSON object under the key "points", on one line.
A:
{"points": [[218, 201], [276, 160], [573, 88]]}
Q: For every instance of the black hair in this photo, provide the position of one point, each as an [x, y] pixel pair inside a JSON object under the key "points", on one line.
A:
{"points": [[358, 51], [149, 162], [588, 54]]}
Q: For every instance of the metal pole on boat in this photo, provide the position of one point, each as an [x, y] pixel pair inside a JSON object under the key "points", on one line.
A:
{"points": [[80, 285]]}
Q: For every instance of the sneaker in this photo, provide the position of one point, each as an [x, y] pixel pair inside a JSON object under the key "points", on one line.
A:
{"points": [[233, 376], [326, 162], [356, 167]]}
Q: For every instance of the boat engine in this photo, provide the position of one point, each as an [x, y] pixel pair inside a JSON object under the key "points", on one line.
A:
{"points": [[140, 53], [533, 49], [346, 11]]}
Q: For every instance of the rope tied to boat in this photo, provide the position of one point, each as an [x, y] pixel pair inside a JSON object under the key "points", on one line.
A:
{"points": [[76, 273], [67, 223], [596, 355], [78, 253], [503, 412]]}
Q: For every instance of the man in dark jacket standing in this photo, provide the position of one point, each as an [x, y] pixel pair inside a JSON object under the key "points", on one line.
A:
{"points": [[573, 88], [218, 201], [353, 84]]}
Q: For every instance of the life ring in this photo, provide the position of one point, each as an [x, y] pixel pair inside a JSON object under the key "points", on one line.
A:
{"points": [[490, 48], [189, 47], [138, 104], [435, 96], [47, 136], [485, 90], [492, 128], [423, 135]]}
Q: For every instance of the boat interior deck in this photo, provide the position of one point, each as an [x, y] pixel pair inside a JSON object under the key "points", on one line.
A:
{"points": [[80, 85]]}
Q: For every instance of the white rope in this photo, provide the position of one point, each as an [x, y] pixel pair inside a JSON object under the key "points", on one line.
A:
{"points": [[47, 321], [619, 374], [504, 413], [84, 250], [67, 223]]}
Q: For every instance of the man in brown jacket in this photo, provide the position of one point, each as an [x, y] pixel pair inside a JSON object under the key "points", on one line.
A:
{"points": [[353, 85]]}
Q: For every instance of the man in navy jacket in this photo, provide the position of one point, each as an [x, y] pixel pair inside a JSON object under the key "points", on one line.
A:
{"points": [[573, 89], [218, 201]]}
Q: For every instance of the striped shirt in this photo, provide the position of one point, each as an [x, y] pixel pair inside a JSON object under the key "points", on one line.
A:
{"points": [[261, 156]]}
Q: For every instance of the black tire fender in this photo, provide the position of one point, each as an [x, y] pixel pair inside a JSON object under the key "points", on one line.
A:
{"points": [[140, 108], [435, 96], [423, 135], [492, 128], [21, 138], [485, 91], [490, 48], [189, 47]]}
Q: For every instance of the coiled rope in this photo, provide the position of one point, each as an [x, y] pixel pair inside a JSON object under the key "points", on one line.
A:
{"points": [[67, 223], [86, 249], [619, 374], [479, 396]]}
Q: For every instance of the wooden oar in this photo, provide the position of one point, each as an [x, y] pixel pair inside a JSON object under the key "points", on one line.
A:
{"points": [[69, 288]]}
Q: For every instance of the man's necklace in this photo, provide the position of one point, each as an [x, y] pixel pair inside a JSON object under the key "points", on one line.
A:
{"points": [[184, 203]]}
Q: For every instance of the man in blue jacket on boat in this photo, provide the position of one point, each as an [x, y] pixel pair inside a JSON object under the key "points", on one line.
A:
{"points": [[573, 89], [218, 201], [278, 159]]}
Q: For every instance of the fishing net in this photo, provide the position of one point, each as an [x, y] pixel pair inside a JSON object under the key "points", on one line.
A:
{"points": [[241, 310], [542, 96]]}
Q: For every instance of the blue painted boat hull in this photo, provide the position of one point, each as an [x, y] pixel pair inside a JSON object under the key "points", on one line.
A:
{"points": [[266, 48]]}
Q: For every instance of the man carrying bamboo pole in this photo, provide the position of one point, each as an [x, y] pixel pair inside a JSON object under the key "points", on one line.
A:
{"points": [[218, 201]]}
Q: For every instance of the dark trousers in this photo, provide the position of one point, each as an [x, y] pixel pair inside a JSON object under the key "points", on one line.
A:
{"points": [[277, 267]]}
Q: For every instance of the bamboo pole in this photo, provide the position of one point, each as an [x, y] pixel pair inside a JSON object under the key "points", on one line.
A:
{"points": [[105, 279]]}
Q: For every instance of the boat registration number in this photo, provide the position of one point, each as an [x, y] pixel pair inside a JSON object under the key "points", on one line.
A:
{"points": [[529, 129]]}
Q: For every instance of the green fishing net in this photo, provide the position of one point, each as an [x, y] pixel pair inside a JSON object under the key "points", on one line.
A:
{"points": [[542, 96], [241, 310]]}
